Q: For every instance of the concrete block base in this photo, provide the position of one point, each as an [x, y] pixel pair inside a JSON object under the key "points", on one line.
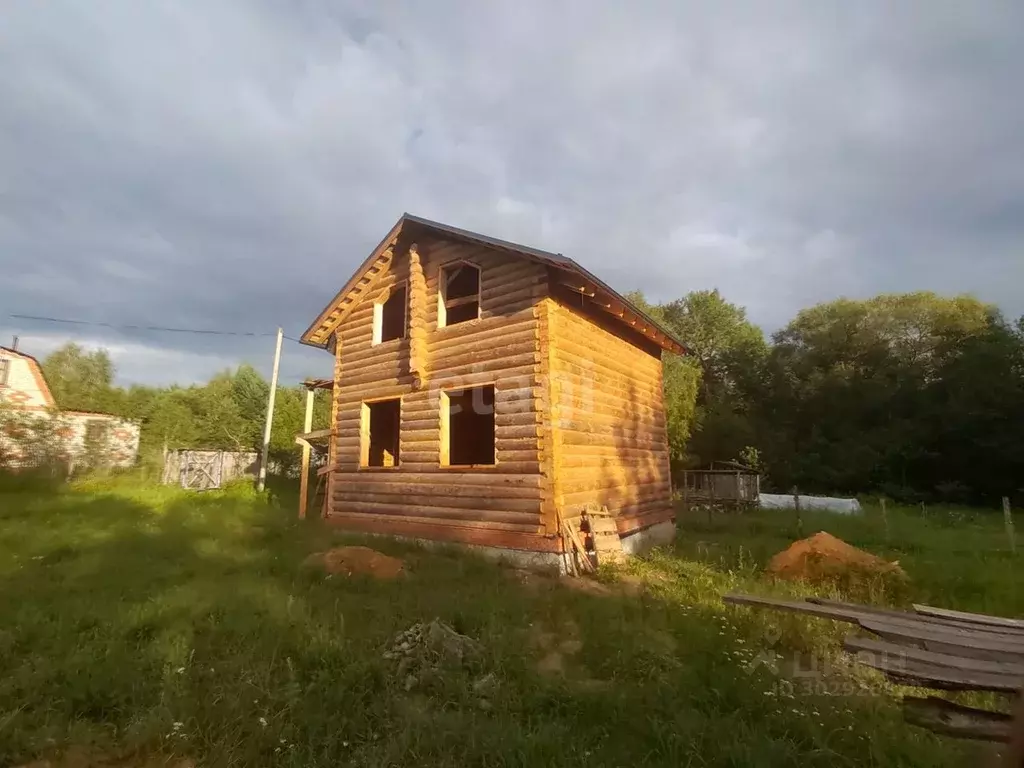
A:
{"points": [[643, 541]]}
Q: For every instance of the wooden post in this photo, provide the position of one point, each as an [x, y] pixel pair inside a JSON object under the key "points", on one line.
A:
{"points": [[739, 493], [711, 496], [686, 508], [261, 483], [307, 425], [885, 519], [799, 518], [1008, 522]]}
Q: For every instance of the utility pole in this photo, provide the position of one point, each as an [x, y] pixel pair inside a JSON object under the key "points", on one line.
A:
{"points": [[262, 482]]}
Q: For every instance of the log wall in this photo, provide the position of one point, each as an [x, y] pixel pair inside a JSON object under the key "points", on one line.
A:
{"points": [[500, 506], [608, 419]]}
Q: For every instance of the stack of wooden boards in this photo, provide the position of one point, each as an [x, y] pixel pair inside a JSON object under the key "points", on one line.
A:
{"points": [[591, 538], [931, 648]]}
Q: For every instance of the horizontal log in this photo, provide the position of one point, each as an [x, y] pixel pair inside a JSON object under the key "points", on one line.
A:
{"points": [[342, 515], [634, 519], [431, 423], [499, 298], [615, 497], [520, 335], [482, 501], [451, 476], [648, 442], [509, 444], [515, 419], [587, 455], [367, 376], [487, 535], [398, 509], [395, 484], [610, 362], [464, 330], [611, 429], [584, 378], [517, 432], [613, 476], [394, 352], [513, 284], [518, 456], [500, 274], [570, 400]]}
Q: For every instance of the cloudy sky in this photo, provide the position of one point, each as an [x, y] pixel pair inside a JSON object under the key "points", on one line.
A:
{"points": [[226, 164]]}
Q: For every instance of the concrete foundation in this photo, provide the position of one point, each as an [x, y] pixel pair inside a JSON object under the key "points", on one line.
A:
{"points": [[636, 543], [643, 541], [535, 561]]}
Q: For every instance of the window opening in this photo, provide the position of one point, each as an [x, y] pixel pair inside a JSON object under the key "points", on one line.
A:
{"points": [[459, 294], [389, 316], [467, 433], [380, 433]]}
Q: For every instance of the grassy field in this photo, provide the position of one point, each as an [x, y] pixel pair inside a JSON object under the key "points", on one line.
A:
{"points": [[143, 626]]}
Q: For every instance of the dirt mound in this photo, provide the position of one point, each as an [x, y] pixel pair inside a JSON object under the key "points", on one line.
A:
{"points": [[823, 557], [352, 560]]}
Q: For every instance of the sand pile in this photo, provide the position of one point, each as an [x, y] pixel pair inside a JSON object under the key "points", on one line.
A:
{"points": [[824, 558], [353, 560]]}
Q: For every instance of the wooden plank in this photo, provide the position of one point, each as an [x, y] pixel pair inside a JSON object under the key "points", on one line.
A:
{"points": [[811, 609], [881, 647], [970, 618], [603, 525], [904, 670], [978, 645], [316, 434], [905, 615], [949, 719], [894, 628], [574, 537]]}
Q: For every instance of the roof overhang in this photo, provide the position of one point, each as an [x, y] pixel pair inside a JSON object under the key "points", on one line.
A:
{"points": [[566, 272]]}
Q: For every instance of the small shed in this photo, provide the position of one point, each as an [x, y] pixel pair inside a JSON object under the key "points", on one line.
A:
{"points": [[483, 391], [724, 484]]}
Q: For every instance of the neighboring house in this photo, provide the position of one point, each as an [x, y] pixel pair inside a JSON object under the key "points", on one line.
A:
{"points": [[483, 390], [23, 388]]}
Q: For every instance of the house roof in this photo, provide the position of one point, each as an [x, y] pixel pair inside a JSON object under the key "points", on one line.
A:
{"points": [[571, 275], [37, 374]]}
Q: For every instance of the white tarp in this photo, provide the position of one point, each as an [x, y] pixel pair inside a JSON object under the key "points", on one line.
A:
{"points": [[826, 503]]}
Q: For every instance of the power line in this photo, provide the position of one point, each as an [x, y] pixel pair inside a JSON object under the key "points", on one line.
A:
{"points": [[131, 327]]}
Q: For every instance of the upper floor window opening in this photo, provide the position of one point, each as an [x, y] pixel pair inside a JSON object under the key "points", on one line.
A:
{"points": [[458, 294], [389, 315]]}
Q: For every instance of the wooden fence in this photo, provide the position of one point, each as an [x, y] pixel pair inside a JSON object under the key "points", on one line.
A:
{"points": [[202, 470]]}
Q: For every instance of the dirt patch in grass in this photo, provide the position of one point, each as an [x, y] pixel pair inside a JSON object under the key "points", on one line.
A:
{"points": [[823, 558], [362, 560]]}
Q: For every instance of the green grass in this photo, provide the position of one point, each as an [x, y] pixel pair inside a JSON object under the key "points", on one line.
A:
{"points": [[144, 622]]}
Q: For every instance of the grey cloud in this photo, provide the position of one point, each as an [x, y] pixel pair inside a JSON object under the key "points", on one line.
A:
{"points": [[229, 164]]}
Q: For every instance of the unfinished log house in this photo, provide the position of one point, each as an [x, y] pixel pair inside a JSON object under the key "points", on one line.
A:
{"points": [[482, 390]]}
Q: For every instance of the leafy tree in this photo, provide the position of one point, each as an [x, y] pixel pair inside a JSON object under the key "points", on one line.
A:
{"points": [[80, 380]]}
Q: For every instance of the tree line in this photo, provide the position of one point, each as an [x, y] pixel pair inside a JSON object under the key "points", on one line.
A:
{"points": [[916, 396]]}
